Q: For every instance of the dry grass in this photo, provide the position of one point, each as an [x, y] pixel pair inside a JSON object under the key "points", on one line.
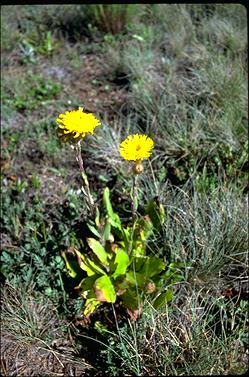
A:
{"points": [[34, 340], [198, 335]]}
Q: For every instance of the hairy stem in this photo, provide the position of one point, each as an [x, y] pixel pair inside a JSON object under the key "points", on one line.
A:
{"points": [[134, 197], [134, 209], [86, 188]]}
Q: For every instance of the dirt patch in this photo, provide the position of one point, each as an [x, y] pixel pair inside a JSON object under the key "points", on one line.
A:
{"points": [[92, 87]]}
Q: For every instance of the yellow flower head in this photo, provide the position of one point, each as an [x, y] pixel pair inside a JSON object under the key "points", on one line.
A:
{"points": [[136, 147], [76, 124]]}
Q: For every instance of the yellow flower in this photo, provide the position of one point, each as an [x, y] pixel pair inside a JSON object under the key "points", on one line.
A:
{"points": [[136, 147], [76, 124]]}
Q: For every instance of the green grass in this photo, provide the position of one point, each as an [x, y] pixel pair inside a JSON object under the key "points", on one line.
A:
{"points": [[179, 73], [202, 334]]}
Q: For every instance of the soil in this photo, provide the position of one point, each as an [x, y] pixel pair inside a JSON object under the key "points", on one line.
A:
{"points": [[95, 91]]}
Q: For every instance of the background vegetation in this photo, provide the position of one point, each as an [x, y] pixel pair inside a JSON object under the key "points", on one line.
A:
{"points": [[179, 74]]}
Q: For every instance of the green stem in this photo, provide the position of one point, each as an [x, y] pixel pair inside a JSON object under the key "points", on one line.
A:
{"points": [[86, 189], [134, 209], [134, 197]]}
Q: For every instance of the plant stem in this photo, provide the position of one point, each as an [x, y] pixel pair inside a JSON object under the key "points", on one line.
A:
{"points": [[134, 209], [86, 189], [134, 197]]}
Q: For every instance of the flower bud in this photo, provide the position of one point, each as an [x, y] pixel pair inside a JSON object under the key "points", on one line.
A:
{"points": [[138, 168], [114, 247]]}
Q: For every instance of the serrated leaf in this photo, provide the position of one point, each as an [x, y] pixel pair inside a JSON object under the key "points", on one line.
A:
{"points": [[104, 289], [122, 261], [98, 250], [163, 298]]}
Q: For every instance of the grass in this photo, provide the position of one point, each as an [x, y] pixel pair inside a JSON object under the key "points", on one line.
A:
{"points": [[177, 72], [199, 335], [33, 330]]}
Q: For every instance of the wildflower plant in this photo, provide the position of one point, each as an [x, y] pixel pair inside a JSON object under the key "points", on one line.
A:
{"points": [[74, 126], [116, 260]]}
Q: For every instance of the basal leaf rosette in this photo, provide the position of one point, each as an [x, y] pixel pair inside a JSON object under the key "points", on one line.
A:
{"points": [[136, 148], [76, 124]]}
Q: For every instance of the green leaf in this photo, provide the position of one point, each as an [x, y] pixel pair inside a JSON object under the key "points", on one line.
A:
{"points": [[91, 305], [97, 217], [135, 279], [126, 235], [107, 202], [130, 299], [87, 283], [104, 289], [138, 250], [107, 230], [94, 230], [147, 228], [114, 223], [138, 261], [177, 265], [173, 276], [163, 298], [156, 213], [176, 278], [174, 273], [102, 329], [153, 266], [70, 264], [135, 201], [98, 250], [88, 265], [113, 217], [122, 261], [162, 213]]}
